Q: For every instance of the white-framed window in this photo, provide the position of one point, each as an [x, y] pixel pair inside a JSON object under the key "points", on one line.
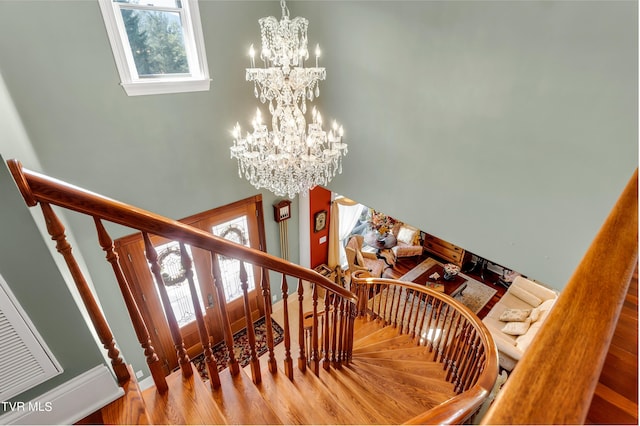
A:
{"points": [[158, 45]]}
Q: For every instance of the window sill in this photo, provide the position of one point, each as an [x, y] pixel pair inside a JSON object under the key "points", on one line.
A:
{"points": [[156, 87]]}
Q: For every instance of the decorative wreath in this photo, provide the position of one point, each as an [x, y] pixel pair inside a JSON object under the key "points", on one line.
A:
{"points": [[169, 275], [235, 234]]}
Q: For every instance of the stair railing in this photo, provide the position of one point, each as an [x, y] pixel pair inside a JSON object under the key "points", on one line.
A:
{"points": [[452, 335], [555, 380], [37, 188]]}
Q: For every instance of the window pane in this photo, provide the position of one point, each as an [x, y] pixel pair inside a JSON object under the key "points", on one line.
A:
{"points": [[155, 3], [235, 230], [156, 41], [176, 282]]}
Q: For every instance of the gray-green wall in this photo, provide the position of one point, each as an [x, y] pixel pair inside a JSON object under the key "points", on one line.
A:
{"points": [[28, 268], [508, 128]]}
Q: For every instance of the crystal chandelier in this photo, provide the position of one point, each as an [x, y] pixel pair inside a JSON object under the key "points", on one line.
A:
{"points": [[292, 157]]}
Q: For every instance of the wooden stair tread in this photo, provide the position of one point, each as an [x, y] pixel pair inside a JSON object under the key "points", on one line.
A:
{"points": [[399, 399], [285, 398], [372, 404], [381, 334], [335, 410], [420, 368], [435, 388], [418, 353], [129, 408], [390, 343], [188, 401], [240, 401], [609, 407], [364, 327]]}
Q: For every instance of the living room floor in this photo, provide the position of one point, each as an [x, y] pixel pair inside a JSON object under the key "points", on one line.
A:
{"points": [[405, 264]]}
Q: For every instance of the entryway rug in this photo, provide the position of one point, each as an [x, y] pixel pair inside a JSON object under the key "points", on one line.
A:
{"points": [[474, 296], [241, 348]]}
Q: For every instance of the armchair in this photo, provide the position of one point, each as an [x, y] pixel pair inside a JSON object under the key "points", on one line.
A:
{"points": [[363, 261], [408, 241]]}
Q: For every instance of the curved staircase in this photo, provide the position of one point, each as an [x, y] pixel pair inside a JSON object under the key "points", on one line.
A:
{"points": [[383, 351], [382, 359]]}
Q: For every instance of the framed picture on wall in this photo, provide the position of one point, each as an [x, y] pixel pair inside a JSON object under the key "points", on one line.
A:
{"points": [[319, 221]]}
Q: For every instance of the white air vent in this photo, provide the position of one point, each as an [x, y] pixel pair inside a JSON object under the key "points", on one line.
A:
{"points": [[25, 359]]}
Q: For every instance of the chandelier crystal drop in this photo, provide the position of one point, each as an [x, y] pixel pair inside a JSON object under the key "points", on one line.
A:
{"points": [[292, 157]]}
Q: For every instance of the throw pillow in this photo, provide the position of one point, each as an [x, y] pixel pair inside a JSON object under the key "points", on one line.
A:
{"points": [[511, 315], [538, 312], [516, 328], [406, 235], [525, 296]]}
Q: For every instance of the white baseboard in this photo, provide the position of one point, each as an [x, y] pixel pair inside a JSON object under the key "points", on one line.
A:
{"points": [[145, 384], [69, 402]]}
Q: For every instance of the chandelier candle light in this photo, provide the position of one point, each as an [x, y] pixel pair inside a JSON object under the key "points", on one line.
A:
{"points": [[292, 157]]}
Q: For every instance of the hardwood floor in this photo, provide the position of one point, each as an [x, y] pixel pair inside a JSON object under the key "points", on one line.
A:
{"points": [[616, 398]]}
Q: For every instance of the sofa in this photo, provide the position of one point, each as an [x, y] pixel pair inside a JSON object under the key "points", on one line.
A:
{"points": [[407, 241], [516, 319]]}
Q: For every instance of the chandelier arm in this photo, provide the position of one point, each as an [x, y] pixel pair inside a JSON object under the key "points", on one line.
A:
{"points": [[285, 10]]}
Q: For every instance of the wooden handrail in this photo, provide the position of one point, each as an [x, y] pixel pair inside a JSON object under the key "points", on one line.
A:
{"points": [[461, 407], [555, 380], [36, 187]]}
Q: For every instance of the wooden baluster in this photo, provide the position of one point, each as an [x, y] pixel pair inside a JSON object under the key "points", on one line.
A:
{"points": [[390, 292], [57, 232], [326, 361], [474, 365], [315, 358], [469, 361], [251, 335], [466, 345], [448, 333], [210, 360], [403, 317], [142, 333], [174, 328], [345, 333], [455, 330], [266, 296], [380, 312], [393, 305], [364, 298], [455, 359], [415, 329], [479, 367], [413, 302], [464, 367], [288, 362], [342, 329], [435, 307], [428, 305], [302, 358], [234, 367], [446, 310], [334, 330], [351, 325]]}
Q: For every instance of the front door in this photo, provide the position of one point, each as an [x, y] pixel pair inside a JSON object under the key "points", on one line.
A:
{"points": [[240, 222]]}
